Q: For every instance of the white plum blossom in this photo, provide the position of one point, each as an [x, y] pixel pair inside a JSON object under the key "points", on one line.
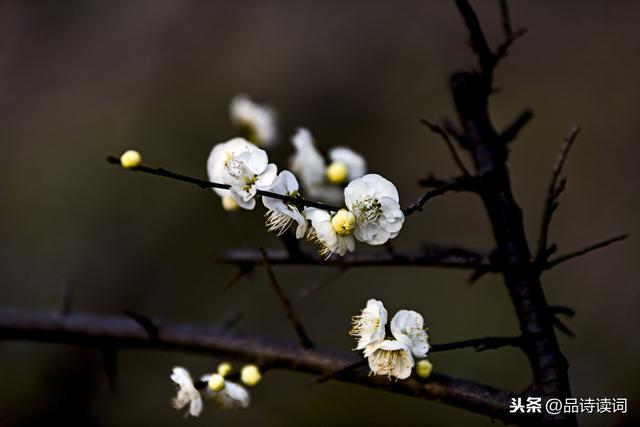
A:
{"points": [[187, 393], [307, 162], [322, 180], [369, 325], [391, 358], [353, 163], [247, 172], [280, 214], [232, 395], [407, 326], [332, 232], [220, 155], [255, 121], [375, 203]]}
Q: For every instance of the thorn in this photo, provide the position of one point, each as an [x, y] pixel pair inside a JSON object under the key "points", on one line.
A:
{"points": [[230, 320], [64, 305], [146, 323], [109, 356], [562, 327]]}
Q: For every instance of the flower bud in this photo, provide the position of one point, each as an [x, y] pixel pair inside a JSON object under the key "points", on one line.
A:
{"points": [[250, 375], [130, 159], [229, 204], [216, 382], [424, 368], [337, 173], [224, 369], [343, 222]]}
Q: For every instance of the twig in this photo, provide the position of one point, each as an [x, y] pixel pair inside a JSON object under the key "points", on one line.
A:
{"points": [[553, 192], [298, 201], [566, 257], [286, 304], [318, 286], [511, 132], [460, 184], [506, 18], [242, 271], [101, 330], [479, 344], [452, 257], [452, 149]]}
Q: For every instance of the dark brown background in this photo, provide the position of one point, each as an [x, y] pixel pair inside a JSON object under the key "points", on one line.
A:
{"points": [[80, 80]]}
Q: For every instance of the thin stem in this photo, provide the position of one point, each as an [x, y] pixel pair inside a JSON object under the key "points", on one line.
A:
{"points": [[563, 258], [304, 339], [297, 201]]}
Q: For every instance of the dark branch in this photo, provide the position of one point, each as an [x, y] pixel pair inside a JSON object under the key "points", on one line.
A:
{"points": [[553, 191], [147, 324], [477, 39], [304, 339], [124, 333], [562, 258], [297, 201], [452, 149], [510, 133], [460, 184], [429, 257]]}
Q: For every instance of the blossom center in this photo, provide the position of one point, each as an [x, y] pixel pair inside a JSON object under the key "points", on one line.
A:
{"points": [[238, 170], [367, 210]]}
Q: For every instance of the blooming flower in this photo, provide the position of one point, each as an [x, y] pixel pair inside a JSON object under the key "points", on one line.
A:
{"points": [[332, 232], [307, 162], [345, 160], [187, 393], [407, 326], [231, 396], [246, 173], [218, 158], [369, 325], [254, 121], [376, 205], [281, 214], [390, 357], [319, 179]]}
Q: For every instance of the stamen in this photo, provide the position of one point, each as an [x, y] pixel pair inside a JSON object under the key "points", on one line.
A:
{"points": [[367, 210], [277, 221]]}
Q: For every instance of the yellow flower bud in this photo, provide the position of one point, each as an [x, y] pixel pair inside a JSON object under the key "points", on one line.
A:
{"points": [[130, 159], [343, 222], [216, 382], [424, 368], [224, 369], [250, 375], [337, 173], [229, 204]]}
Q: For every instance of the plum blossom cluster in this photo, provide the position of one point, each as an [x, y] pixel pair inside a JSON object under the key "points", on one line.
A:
{"points": [[225, 394], [392, 355], [372, 214]]}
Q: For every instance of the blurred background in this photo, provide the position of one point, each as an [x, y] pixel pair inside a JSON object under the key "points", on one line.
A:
{"points": [[82, 80]]}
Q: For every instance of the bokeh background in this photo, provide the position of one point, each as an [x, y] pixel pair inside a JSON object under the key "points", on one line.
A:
{"points": [[81, 80]]}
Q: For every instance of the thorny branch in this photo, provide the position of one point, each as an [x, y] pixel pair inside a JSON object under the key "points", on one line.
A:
{"points": [[553, 191], [429, 257]]}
